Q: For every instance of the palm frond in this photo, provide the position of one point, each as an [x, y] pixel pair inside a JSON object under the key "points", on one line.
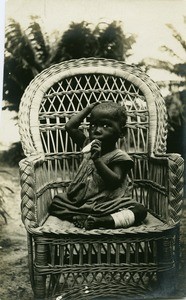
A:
{"points": [[76, 42], [2, 187], [18, 44], [5, 171], [171, 52], [177, 36], [158, 64], [37, 42], [112, 41]]}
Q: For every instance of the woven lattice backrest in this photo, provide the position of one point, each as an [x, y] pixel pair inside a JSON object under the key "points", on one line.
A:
{"points": [[64, 89]]}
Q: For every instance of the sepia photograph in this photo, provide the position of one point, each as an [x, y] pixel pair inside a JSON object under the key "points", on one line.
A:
{"points": [[92, 149]]}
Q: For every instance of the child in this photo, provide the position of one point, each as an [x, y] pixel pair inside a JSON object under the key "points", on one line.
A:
{"points": [[100, 194]]}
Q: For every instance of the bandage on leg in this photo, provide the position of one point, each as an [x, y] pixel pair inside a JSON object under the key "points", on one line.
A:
{"points": [[123, 218]]}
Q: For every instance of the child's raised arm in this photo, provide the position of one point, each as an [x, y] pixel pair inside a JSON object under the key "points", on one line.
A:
{"points": [[72, 126]]}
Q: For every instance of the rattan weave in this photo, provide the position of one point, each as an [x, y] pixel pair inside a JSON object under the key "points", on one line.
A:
{"points": [[70, 262]]}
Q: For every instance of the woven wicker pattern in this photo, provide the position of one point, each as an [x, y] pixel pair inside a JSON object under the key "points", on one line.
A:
{"points": [[72, 94], [65, 88], [176, 175], [74, 263], [128, 267], [28, 196], [158, 184]]}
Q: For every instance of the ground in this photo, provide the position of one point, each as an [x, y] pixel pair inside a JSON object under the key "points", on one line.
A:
{"points": [[14, 278]]}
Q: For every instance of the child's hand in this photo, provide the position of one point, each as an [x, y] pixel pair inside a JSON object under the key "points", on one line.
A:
{"points": [[96, 150]]}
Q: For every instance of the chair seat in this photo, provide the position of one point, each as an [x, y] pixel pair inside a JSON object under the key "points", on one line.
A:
{"points": [[56, 226]]}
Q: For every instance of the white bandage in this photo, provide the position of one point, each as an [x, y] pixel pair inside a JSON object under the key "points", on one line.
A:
{"points": [[123, 218]]}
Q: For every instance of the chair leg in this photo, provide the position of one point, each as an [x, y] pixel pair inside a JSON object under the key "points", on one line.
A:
{"points": [[177, 251], [30, 258], [40, 279], [166, 278]]}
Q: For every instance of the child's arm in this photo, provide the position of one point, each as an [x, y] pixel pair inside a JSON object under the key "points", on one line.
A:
{"points": [[111, 175], [72, 126]]}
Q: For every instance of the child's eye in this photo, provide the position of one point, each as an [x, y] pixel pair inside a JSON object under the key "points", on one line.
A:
{"points": [[105, 126]]}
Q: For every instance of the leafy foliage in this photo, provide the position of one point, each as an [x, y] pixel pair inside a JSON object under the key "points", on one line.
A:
{"points": [[176, 99], [112, 42], [78, 41], [28, 52], [176, 68], [22, 63], [3, 190], [13, 155], [38, 44]]}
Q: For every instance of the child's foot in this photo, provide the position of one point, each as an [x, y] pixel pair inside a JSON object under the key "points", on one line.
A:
{"points": [[92, 223], [79, 221], [99, 222]]}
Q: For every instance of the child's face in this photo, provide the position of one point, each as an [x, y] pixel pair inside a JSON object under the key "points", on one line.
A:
{"points": [[104, 127]]}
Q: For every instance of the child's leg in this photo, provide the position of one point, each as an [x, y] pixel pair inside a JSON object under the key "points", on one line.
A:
{"points": [[140, 213], [133, 215], [122, 219], [90, 222], [106, 222]]}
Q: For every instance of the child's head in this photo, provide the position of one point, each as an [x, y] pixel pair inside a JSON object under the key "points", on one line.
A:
{"points": [[109, 116], [113, 110]]}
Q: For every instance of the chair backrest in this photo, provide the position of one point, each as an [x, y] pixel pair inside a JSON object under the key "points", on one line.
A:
{"points": [[65, 88]]}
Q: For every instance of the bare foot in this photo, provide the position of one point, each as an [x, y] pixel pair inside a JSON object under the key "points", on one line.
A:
{"points": [[79, 221], [99, 222]]}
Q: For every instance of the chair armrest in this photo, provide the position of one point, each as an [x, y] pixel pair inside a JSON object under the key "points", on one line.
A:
{"points": [[166, 174], [35, 194]]}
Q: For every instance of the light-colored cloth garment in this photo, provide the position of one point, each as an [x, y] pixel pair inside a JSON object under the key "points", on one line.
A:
{"points": [[87, 194]]}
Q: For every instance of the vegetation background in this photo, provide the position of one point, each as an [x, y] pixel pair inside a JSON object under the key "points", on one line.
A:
{"points": [[29, 49]]}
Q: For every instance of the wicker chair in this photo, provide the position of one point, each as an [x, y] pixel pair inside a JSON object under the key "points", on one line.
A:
{"points": [[74, 263]]}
